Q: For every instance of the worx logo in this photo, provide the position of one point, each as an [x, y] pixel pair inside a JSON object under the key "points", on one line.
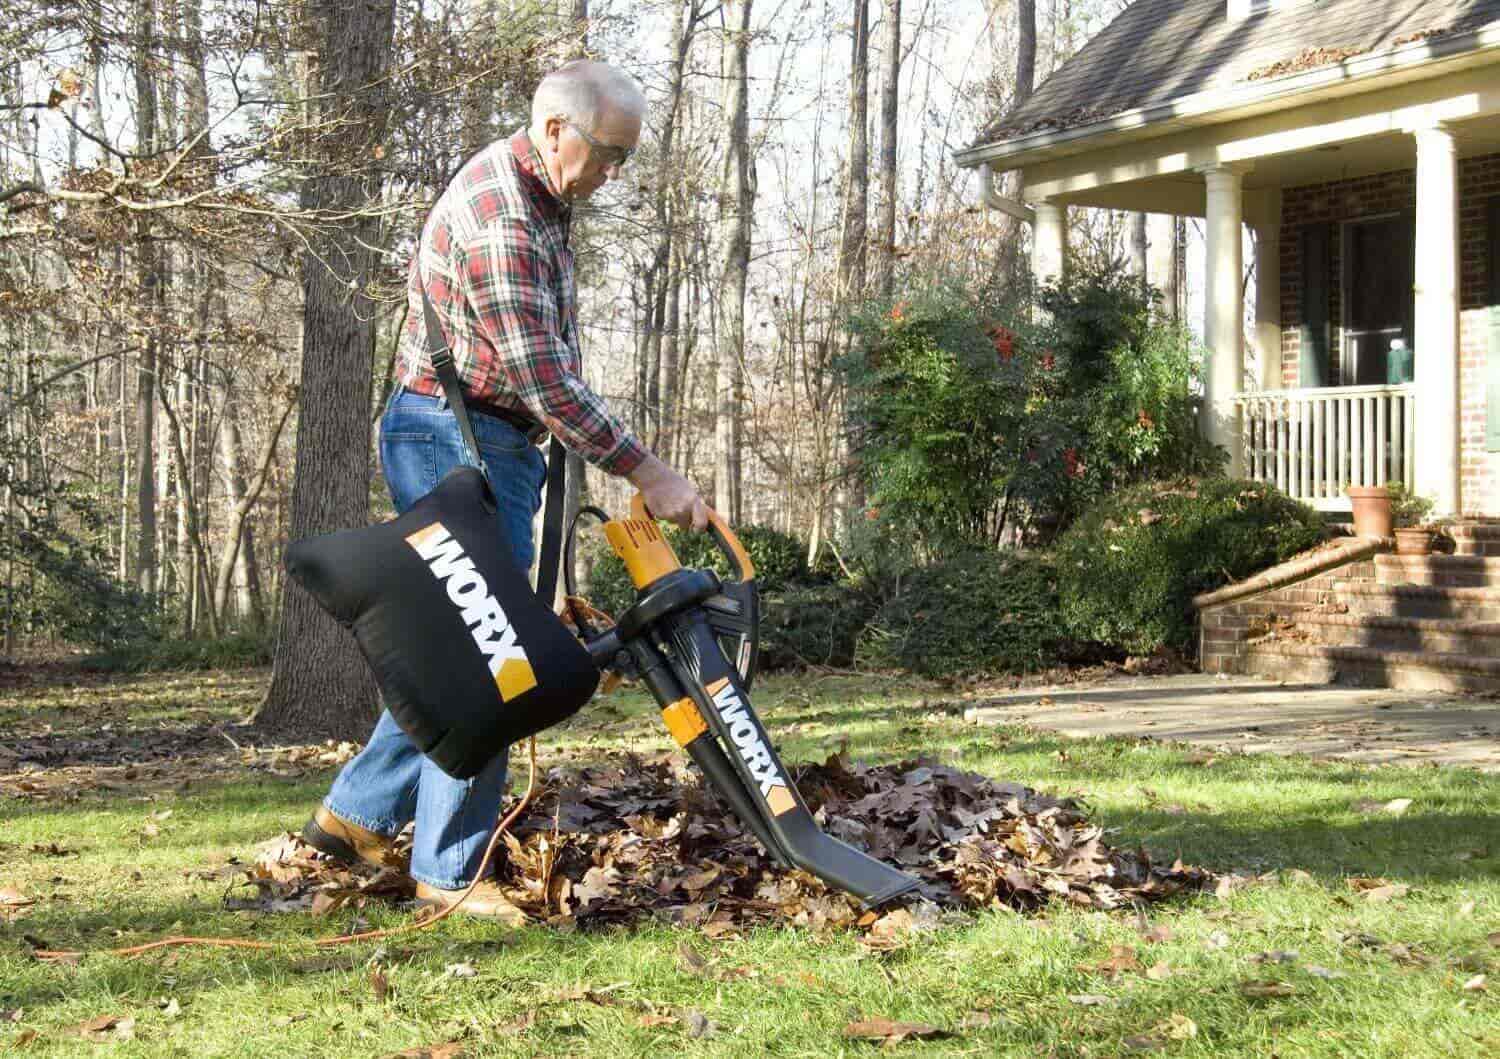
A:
{"points": [[745, 734], [492, 631]]}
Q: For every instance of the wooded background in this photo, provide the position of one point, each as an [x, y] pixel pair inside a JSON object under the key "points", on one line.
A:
{"points": [[207, 209]]}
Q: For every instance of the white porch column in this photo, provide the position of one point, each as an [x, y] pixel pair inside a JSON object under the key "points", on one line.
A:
{"points": [[1436, 355], [1049, 242], [1268, 292], [1224, 330]]}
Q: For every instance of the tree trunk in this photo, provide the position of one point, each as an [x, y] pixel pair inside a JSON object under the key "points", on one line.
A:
{"points": [[320, 685], [890, 85], [1138, 247], [663, 264], [1164, 261], [857, 185], [736, 201], [237, 554], [854, 237], [1025, 51], [148, 266]]}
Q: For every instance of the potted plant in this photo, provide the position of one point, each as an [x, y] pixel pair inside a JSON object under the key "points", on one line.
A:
{"points": [[1414, 535], [1371, 506]]}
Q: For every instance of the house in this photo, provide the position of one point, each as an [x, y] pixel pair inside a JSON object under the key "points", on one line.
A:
{"points": [[1359, 143]]}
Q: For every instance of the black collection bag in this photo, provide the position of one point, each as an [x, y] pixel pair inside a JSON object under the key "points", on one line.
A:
{"points": [[468, 658]]}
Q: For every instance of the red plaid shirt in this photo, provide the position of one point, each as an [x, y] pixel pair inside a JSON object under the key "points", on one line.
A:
{"points": [[495, 256]]}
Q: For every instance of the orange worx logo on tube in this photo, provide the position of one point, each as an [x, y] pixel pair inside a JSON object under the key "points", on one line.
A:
{"points": [[752, 750]]}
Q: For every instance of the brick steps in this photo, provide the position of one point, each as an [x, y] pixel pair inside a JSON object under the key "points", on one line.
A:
{"points": [[1419, 601], [1457, 636], [1373, 667], [1420, 623], [1476, 538], [1447, 571]]}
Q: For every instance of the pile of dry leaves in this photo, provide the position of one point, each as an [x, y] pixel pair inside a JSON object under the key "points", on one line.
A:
{"points": [[638, 837]]}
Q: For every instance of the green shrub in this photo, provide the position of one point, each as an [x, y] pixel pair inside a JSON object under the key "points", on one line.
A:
{"points": [[818, 625], [972, 414], [980, 611], [227, 652], [1129, 568]]}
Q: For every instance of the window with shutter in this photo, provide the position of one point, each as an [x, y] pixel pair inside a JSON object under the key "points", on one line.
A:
{"points": [[1492, 365], [1313, 359]]}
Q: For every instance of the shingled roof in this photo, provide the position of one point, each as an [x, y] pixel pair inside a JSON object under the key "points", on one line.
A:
{"points": [[1158, 51]]}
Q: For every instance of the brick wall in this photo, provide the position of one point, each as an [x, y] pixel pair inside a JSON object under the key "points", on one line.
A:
{"points": [[1344, 200]]}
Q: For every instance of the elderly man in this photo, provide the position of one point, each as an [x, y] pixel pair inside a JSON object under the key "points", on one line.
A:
{"points": [[495, 262]]}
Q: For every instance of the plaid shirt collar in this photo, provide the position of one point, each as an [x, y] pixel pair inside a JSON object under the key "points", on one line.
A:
{"points": [[536, 180]]}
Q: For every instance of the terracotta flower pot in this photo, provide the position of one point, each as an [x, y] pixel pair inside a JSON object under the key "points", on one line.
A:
{"points": [[1413, 540], [1372, 510]]}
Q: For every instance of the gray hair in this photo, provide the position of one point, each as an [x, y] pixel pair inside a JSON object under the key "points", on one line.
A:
{"points": [[579, 90]]}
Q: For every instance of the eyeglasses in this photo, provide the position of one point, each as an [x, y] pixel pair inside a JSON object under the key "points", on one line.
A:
{"points": [[610, 154]]}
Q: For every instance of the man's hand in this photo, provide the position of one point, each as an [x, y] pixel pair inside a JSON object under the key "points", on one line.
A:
{"points": [[669, 495]]}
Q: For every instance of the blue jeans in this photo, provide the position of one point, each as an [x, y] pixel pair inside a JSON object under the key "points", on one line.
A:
{"points": [[390, 782]]}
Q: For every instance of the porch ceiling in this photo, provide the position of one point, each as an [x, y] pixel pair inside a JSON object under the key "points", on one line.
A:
{"points": [[1185, 193]]}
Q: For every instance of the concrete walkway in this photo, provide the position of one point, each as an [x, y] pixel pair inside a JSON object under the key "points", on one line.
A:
{"points": [[1249, 714]]}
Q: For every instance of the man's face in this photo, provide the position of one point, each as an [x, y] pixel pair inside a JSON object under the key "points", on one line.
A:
{"points": [[578, 167]]}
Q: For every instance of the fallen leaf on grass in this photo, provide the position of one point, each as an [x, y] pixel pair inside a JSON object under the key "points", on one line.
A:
{"points": [[325, 902], [1217, 940], [1266, 988], [1158, 934], [1494, 939], [11, 1015], [107, 1028], [1122, 959], [460, 970], [1159, 971], [520, 1024], [1177, 1028], [24, 1038], [1475, 984], [1382, 894], [450, 1050], [690, 960], [170, 1008], [1409, 955], [1395, 807], [1089, 1000], [13, 903], [650, 1020], [892, 1032], [380, 984], [699, 1025], [1275, 956], [1322, 972], [52, 849]]}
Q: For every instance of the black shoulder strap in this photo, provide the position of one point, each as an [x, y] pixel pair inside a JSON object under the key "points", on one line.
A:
{"points": [[557, 458], [552, 524], [442, 364]]}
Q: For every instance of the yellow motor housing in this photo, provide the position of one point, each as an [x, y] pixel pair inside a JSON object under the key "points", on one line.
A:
{"points": [[646, 554]]}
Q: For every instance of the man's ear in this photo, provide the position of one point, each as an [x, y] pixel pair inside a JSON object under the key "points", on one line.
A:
{"points": [[553, 132]]}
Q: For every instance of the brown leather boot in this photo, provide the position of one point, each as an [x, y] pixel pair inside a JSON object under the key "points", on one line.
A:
{"points": [[486, 900], [348, 842]]}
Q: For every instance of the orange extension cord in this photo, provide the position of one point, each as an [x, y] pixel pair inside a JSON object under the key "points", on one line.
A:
{"points": [[343, 939]]}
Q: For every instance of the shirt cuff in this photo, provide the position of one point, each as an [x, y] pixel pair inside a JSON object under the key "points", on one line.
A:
{"points": [[623, 458]]}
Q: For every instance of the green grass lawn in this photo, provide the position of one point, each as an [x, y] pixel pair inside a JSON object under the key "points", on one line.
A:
{"points": [[1350, 976]]}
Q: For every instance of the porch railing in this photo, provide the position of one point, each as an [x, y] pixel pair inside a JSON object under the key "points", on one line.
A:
{"points": [[1312, 443]]}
